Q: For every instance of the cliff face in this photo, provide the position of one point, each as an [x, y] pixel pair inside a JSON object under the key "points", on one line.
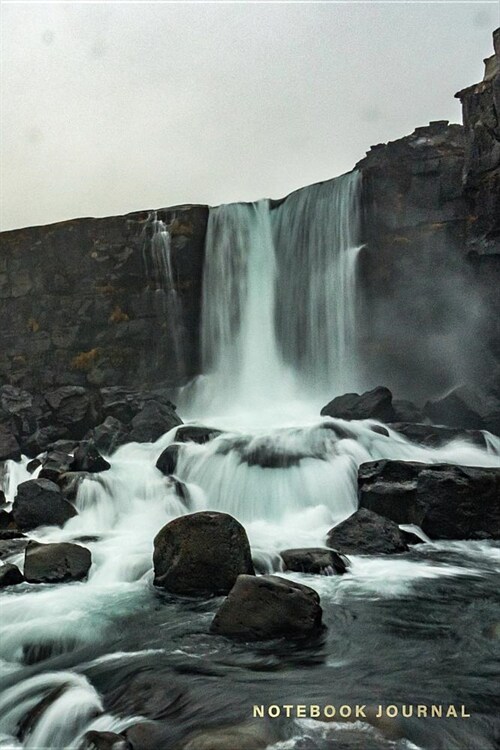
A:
{"points": [[80, 306]]}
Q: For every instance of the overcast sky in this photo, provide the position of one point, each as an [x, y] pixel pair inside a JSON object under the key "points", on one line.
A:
{"points": [[110, 108]]}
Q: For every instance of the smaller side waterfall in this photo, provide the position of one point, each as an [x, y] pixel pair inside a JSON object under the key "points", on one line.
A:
{"points": [[167, 305], [317, 240]]}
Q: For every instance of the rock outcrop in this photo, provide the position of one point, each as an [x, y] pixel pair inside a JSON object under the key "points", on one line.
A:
{"points": [[375, 404], [56, 563], [446, 501], [317, 560], [367, 533], [39, 502], [201, 554]]}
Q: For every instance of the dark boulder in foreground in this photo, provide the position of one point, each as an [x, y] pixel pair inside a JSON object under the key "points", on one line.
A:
{"points": [[190, 433], [201, 554], [446, 501], [167, 460], [87, 458], [260, 607], [322, 561], [434, 436], [10, 575], [9, 447], [56, 563], [153, 421], [39, 502], [375, 404], [54, 463], [367, 533]]}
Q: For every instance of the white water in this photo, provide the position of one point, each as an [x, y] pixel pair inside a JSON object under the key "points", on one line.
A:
{"points": [[254, 397]]}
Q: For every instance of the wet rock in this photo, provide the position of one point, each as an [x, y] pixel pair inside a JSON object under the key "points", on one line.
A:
{"points": [[87, 458], [10, 575], [467, 408], [9, 447], [153, 421], [446, 501], [406, 411], [43, 439], [54, 464], [10, 533], [39, 502], [56, 563], [167, 461], [5, 518], [146, 735], [11, 547], [375, 404], [380, 430], [72, 407], [104, 741], [69, 483], [434, 436], [201, 554], [248, 736], [110, 435], [261, 607], [367, 533], [33, 465], [319, 560], [189, 433]]}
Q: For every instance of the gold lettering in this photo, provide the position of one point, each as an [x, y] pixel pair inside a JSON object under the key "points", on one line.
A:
{"points": [[360, 711], [314, 712], [258, 712], [464, 713], [329, 712], [345, 711], [379, 712], [391, 711], [451, 711], [407, 711], [437, 711], [301, 712], [422, 712], [273, 711]]}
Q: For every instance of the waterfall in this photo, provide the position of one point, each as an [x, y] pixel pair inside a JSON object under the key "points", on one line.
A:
{"points": [[317, 239], [157, 255], [239, 347], [279, 297]]}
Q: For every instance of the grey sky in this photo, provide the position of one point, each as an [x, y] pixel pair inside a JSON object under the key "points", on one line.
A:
{"points": [[110, 108]]}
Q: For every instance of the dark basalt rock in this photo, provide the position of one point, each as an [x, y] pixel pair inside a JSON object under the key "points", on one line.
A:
{"points": [[153, 421], [43, 439], [33, 465], [104, 741], [321, 561], [252, 735], [201, 554], [367, 533], [73, 407], [434, 436], [54, 464], [446, 501], [110, 435], [466, 408], [406, 411], [146, 735], [9, 447], [56, 563], [11, 547], [375, 404], [10, 533], [39, 502], [167, 461], [87, 458], [10, 575], [261, 607], [189, 433]]}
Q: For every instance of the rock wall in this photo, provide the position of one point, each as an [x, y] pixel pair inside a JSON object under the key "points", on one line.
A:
{"points": [[80, 307]]}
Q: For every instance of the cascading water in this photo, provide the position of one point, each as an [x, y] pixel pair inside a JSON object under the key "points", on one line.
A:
{"points": [[317, 238], [279, 320]]}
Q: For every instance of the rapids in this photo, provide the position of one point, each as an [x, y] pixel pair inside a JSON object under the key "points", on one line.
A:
{"points": [[279, 333]]}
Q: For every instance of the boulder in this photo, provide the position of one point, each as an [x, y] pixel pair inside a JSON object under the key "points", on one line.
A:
{"points": [[319, 560], [104, 741], [56, 563], [201, 554], [54, 464], [375, 404], [153, 421], [167, 460], [10, 575], [252, 735], [406, 411], [190, 433], [87, 458], [33, 465], [367, 533], [434, 436], [9, 447], [467, 408], [72, 407], [446, 501], [110, 435], [39, 502], [43, 438], [146, 735], [12, 546], [261, 607]]}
